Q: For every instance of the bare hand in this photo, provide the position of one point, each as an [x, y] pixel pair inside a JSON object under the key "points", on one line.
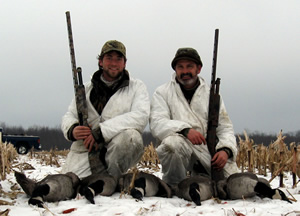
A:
{"points": [[85, 133], [81, 132], [219, 160], [196, 137], [89, 142]]}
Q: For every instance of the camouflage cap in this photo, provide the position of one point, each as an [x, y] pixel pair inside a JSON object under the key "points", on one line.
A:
{"points": [[186, 53], [113, 45]]}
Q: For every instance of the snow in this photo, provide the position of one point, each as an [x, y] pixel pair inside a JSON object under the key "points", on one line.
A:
{"points": [[119, 204]]}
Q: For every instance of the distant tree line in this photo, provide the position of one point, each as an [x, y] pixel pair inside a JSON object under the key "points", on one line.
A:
{"points": [[266, 139], [53, 137]]}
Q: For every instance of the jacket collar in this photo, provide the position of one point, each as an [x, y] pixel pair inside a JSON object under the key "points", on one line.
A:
{"points": [[123, 82]]}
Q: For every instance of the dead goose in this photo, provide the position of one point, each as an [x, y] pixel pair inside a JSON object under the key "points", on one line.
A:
{"points": [[246, 185], [264, 191], [145, 185], [52, 188], [196, 189], [103, 184]]}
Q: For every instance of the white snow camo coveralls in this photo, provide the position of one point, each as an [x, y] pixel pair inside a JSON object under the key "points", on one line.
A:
{"points": [[171, 113], [122, 122]]}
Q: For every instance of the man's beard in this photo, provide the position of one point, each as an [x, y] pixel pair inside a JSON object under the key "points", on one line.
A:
{"points": [[113, 76], [189, 82]]}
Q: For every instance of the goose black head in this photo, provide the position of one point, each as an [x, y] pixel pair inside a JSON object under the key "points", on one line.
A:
{"points": [[279, 194], [138, 192], [37, 195], [37, 201], [194, 193], [264, 190], [91, 190], [88, 193]]}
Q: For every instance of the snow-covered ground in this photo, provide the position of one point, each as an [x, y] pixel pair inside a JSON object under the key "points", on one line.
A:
{"points": [[126, 205]]}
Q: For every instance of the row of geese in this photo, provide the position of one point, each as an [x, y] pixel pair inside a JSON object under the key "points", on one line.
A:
{"points": [[59, 187]]}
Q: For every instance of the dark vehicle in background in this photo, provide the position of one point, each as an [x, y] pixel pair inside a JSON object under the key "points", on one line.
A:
{"points": [[23, 143]]}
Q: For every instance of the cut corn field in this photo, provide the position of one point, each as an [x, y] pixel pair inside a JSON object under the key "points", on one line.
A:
{"points": [[277, 158]]}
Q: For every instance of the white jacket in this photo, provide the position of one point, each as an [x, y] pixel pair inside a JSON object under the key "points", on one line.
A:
{"points": [[128, 108], [171, 113]]}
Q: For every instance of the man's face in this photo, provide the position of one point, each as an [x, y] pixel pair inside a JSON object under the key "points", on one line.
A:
{"points": [[187, 73], [113, 63]]}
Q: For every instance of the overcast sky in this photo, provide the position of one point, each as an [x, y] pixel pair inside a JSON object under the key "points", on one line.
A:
{"points": [[258, 56]]}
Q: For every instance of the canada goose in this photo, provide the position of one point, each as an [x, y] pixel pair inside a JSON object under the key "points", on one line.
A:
{"points": [[196, 189], [103, 184], [52, 188], [245, 185], [145, 185], [264, 191]]}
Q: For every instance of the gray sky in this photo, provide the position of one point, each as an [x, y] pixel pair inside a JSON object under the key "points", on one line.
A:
{"points": [[258, 56]]}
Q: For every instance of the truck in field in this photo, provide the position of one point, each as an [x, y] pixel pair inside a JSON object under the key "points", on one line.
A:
{"points": [[22, 143]]}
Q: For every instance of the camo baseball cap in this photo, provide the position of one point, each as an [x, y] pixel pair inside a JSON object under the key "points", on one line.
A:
{"points": [[186, 53], [113, 45]]}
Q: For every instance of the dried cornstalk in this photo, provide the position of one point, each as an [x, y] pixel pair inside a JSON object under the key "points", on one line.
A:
{"points": [[134, 173], [249, 143], [246, 153], [298, 162], [277, 158], [261, 156], [5, 212], [150, 158], [3, 202], [7, 156], [242, 156], [264, 156], [281, 150]]}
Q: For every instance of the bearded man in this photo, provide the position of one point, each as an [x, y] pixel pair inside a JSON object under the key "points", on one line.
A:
{"points": [[178, 119], [118, 111]]}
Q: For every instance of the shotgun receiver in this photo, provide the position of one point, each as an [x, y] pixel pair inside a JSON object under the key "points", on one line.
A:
{"points": [[213, 111], [77, 80]]}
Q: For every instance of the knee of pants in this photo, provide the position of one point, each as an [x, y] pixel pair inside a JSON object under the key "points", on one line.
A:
{"points": [[124, 151], [127, 141], [133, 135], [174, 144]]}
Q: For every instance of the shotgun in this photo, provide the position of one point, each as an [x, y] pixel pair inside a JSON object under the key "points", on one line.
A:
{"points": [[213, 111], [77, 80]]}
